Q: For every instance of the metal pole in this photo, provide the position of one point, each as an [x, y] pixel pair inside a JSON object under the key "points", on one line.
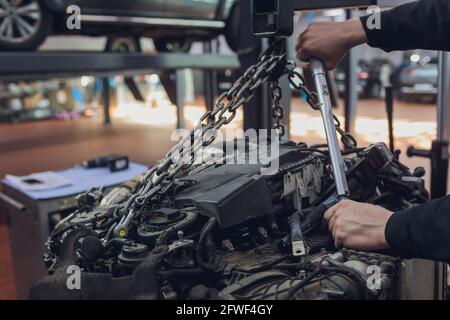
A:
{"points": [[440, 165], [265, 106], [248, 48], [286, 103], [286, 98], [443, 112], [180, 82], [209, 81], [106, 101], [252, 110], [439, 148], [389, 99], [439, 162], [351, 94], [337, 161]]}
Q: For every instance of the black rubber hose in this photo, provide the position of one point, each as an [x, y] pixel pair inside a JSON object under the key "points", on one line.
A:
{"points": [[204, 233], [172, 231], [351, 273], [313, 219], [302, 283], [68, 248]]}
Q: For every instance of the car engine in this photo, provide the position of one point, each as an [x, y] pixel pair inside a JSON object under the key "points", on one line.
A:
{"points": [[227, 231], [238, 228]]}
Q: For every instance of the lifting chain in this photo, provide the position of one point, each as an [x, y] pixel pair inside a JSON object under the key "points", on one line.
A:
{"points": [[299, 83], [277, 108], [158, 181]]}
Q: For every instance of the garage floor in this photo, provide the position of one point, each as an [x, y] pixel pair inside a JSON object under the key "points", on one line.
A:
{"points": [[52, 145]]}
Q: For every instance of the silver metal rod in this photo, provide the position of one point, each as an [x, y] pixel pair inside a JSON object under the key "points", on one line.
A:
{"points": [[351, 85], [337, 161], [179, 23]]}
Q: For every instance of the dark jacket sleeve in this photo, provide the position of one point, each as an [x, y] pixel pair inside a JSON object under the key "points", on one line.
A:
{"points": [[422, 231], [419, 25]]}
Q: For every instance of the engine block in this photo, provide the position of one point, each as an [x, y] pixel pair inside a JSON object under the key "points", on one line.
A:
{"points": [[226, 231]]}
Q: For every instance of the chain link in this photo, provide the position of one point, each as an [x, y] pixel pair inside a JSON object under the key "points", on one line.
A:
{"points": [[270, 67], [277, 108], [182, 154], [299, 83]]}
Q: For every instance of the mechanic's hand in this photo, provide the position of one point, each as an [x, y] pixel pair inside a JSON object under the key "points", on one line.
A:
{"points": [[359, 226], [330, 41]]}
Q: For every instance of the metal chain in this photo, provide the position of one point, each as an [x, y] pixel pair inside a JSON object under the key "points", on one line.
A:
{"points": [[158, 181], [277, 108], [299, 83]]}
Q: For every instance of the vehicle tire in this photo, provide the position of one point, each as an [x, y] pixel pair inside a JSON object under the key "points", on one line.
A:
{"points": [[172, 45], [25, 26], [123, 44]]}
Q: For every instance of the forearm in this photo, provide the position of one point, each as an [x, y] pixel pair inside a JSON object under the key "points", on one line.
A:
{"points": [[420, 25], [354, 33], [422, 231]]}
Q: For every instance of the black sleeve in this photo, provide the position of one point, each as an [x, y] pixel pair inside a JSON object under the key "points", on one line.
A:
{"points": [[419, 25], [422, 231]]}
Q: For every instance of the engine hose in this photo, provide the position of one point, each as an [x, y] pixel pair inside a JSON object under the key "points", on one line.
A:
{"points": [[298, 286], [351, 273], [204, 233], [336, 266], [110, 231], [172, 231], [69, 248], [287, 266], [313, 219]]}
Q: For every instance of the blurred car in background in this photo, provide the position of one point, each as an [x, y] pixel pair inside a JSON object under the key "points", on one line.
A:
{"points": [[371, 78], [173, 24], [419, 83], [417, 77]]}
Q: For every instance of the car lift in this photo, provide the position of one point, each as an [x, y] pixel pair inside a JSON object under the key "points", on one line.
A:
{"points": [[16, 66]]}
